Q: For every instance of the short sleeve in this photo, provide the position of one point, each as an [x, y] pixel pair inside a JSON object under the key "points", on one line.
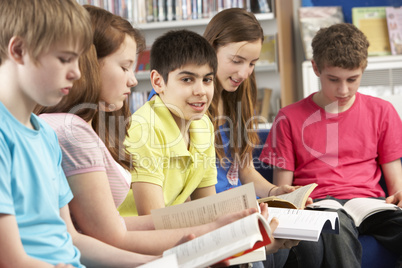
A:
{"points": [[81, 148], [148, 154], [390, 136], [6, 199], [278, 149]]}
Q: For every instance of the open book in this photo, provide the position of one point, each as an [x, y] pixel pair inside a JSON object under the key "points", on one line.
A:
{"points": [[358, 208], [298, 225], [232, 240], [296, 199], [305, 225]]}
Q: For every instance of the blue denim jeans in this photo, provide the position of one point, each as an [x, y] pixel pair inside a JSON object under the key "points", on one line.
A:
{"points": [[345, 250]]}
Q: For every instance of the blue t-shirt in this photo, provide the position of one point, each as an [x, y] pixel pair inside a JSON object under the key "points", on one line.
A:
{"points": [[33, 188], [223, 182]]}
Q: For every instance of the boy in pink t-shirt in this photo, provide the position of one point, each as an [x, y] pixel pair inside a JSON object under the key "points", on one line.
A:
{"points": [[340, 139]]}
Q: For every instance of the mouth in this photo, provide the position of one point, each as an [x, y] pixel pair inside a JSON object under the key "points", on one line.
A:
{"points": [[198, 106], [65, 90], [236, 82]]}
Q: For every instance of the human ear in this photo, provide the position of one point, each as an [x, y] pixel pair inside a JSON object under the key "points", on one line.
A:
{"points": [[157, 81], [315, 68], [16, 49]]}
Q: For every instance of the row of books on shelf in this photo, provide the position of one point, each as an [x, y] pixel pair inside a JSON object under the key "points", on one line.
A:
{"points": [[268, 55], [146, 11], [382, 26], [137, 99]]}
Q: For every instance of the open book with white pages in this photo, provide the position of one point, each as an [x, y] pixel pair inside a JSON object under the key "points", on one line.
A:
{"points": [[358, 208], [293, 223]]}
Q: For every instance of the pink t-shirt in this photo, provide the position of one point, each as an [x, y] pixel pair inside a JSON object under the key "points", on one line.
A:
{"points": [[84, 152], [342, 152]]}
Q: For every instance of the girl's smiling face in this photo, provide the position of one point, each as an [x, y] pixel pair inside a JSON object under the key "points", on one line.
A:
{"points": [[236, 62]]}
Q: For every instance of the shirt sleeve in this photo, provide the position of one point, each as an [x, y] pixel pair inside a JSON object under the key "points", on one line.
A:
{"points": [[6, 199], [278, 150], [82, 149], [390, 136], [149, 156]]}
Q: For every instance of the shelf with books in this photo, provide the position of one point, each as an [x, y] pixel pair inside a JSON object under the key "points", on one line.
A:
{"points": [[275, 74], [191, 23]]}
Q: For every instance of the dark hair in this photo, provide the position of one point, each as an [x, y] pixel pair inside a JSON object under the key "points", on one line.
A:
{"points": [[235, 25], [175, 49], [340, 45], [109, 33]]}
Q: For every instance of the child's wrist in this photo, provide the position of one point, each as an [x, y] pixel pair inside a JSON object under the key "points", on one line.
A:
{"points": [[272, 188]]}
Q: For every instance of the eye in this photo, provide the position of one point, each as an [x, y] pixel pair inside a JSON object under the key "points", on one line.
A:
{"points": [[64, 60], [125, 69], [186, 79], [208, 80], [351, 80]]}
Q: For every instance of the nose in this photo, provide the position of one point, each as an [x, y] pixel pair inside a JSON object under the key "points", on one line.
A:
{"points": [[132, 81], [74, 73], [199, 89], [245, 71], [343, 88]]}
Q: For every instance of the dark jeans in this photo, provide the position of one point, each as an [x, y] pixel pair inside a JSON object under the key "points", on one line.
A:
{"points": [[345, 250]]}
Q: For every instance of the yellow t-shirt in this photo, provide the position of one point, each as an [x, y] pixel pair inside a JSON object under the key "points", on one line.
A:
{"points": [[162, 158]]}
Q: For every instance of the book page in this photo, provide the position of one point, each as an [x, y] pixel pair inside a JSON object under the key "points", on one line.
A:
{"points": [[298, 197], [206, 209], [219, 244], [326, 203], [361, 208], [303, 224]]}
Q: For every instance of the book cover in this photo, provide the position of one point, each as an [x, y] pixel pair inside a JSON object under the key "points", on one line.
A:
{"points": [[143, 61], [311, 19], [233, 240], [268, 50], [372, 21], [394, 23]]}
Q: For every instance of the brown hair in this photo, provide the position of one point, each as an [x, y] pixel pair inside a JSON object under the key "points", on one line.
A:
{"points": [[184, 47], [109, 33], [235, 25], [43, 23], [340, 45]]}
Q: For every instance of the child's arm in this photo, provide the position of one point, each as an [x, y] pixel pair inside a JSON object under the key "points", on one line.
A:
{"points": [[282, 176], [147, 196], [393, 178], [203, 192], [95, 253], [12, 253]]}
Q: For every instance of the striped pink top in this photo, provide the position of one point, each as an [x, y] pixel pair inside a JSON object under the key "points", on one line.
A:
{"points": [[84, 152]]}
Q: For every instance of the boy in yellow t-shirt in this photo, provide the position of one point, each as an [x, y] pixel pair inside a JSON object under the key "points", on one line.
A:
{"points": [[171, 138]]}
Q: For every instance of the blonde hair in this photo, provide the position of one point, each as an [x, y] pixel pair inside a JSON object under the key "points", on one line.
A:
{"points": [[42, 24]]}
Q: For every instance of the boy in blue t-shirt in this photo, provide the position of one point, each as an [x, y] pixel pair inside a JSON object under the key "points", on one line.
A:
{"points": [[40, 43]]}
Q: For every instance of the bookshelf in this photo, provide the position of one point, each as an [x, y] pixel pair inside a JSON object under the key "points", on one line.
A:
{"points": [[277, 76]]}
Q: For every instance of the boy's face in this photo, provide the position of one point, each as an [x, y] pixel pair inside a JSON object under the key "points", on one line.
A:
{"points": [[117, 75], [188, 93], [338, 84], [236, 62], [52, 77]]}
